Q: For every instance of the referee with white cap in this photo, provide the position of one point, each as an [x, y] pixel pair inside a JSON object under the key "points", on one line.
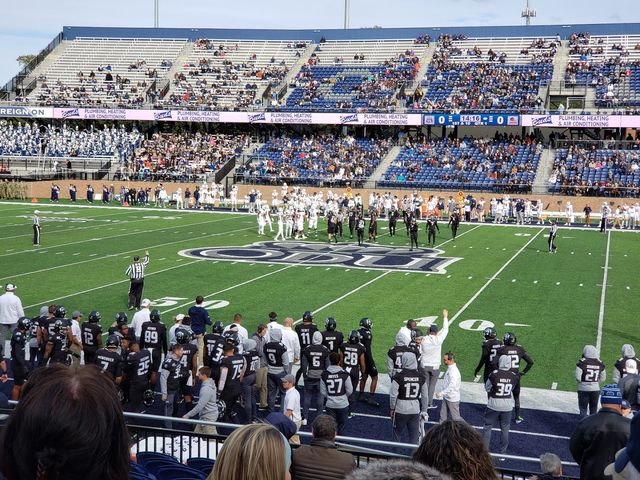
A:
{"points": [[135, 272], [36, 228]]}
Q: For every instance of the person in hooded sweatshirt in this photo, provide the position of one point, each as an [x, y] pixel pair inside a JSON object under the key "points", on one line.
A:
{"points": [[394, 355], [590, 371], [628, 353], [336, 388], [404, 398], [500, 404], [313, 361], [277, 358]]}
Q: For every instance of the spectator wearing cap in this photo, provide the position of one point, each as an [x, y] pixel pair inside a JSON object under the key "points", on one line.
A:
{"points": [[598, 437], [10, 311], [430, 355], [629, 384], [141, 316], [291, 404], [76, 337], [172, 331], [627, 461]]}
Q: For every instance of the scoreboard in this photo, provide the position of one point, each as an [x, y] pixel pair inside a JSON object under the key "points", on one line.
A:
{"points": [[475, 119]]}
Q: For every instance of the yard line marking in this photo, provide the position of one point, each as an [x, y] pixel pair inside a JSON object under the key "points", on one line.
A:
{"points": [[77, 253], [118, 254], [603, 294], [59, 253], [495, 275], [108, 285], [114, 236], [351, 292]]}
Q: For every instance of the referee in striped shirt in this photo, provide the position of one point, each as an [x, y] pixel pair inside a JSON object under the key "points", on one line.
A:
{"points": [[135, 272]]}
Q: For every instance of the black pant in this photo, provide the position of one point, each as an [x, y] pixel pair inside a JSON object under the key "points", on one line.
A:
{"points": [[454, 230], [552, 242], [431, 237], [135, 293], [36, 234], [516, 398], [588, 402], [603, 225], [392, 228], [360, 236], [136, 394], [414, 240]]}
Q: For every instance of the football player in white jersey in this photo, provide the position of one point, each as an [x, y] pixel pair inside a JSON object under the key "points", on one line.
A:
{"points": [[234, 198], [280, 222], [568, 213]]}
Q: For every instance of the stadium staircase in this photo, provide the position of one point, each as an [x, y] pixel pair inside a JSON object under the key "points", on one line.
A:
{"points": [[560, 63], [425, 61], [590, 99], [382, 167], [46, 62], [295, 69], [545, 166], [164, 83]]}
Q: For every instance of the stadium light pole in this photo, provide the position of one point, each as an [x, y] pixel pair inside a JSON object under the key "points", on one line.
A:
{"points": [[528, 13], [346, 14], [156, 13]]}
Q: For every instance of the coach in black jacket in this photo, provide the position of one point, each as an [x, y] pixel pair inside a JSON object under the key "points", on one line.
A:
{"points": [[598, 437]]}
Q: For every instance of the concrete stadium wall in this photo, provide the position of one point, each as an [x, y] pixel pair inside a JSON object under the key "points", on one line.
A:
{"points": [[42, 190]]}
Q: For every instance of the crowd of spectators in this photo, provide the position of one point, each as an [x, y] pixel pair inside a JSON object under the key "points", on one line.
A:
{"points": [[30, 139], [178, 156], [510, 162], [488, 82], [591, 171], [318, 157]]}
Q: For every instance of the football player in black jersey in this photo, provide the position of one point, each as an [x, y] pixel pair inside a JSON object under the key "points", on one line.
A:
{"points": [[432, 226], [360, 230], [138, 373], [153, 337], [517, 354], [331, 338], [490, 347], [394, 355], [412, 229], [370, 370], [189, 362], [213, 344], [454, 223], [252, 360], [232, 369], [305, 331], [170, 375], [56, 349], [393, 222], [19, 363], [313, 361], [352, 360], [109, 360], [91, 337], [500, 386], [352, 222]]}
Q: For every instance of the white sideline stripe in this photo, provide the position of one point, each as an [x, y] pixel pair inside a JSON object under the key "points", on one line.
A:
{"points": [[44, 302], [495, 275], [111, 255], [114, 236], [603, 294]]}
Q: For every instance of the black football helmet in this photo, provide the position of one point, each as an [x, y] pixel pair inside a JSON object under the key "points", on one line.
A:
{"points": [[330, 324], [354, 337], [218, 327], [94, 316], [222, 407], [60, 312], [148, 398], [366, 323], [24, 323], [232, 338], [113, 341], [121, 317], [60, 327], [490, 333], [183, 336], [307, 316], [154, 316], [509, 339]]}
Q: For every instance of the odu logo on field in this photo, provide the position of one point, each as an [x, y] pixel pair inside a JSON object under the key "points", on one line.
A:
{"points": [[371, 257]]}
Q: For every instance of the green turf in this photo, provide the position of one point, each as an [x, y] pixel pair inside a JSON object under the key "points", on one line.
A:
{"points": [[85, 251]]}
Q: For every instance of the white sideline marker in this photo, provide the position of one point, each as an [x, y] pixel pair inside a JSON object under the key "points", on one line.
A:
{"points": [[59, 253], [603, 294], [469, 278], [557, 283], [554, 386], [535, 281], [581, 285], [513, 281]]}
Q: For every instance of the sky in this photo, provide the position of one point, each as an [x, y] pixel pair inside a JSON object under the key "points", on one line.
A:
{"points": [[26, 29]]}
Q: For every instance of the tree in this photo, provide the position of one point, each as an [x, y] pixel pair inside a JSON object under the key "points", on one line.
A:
{"points": [[25, 60]]}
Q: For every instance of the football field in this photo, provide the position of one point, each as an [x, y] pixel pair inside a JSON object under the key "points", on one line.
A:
{"points": [[587, 293]]}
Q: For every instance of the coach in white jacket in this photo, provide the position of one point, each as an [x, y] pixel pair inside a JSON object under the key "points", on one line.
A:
{"points": [[430, 355], [450, 390], [10, 311]]}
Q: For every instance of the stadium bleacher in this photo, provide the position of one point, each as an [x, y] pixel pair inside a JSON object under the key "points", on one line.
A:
{"points": [[506, 165]]}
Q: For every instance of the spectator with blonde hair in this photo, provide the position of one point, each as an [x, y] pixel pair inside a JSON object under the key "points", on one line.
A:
{"points": [[256, 451]]}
